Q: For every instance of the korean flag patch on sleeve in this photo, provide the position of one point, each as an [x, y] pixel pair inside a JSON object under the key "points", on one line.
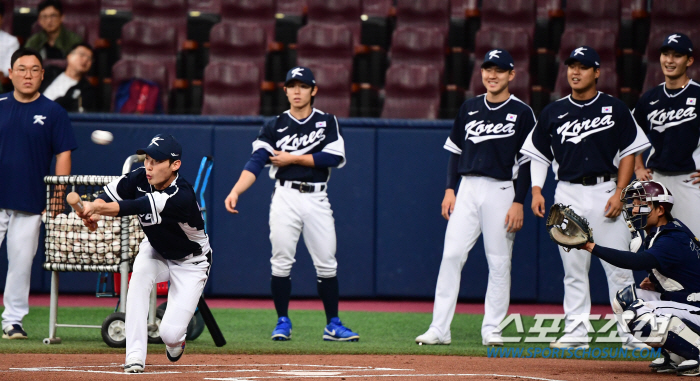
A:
{"points": [[320, 124], [511, 117], [690, 101], [607, 110]]}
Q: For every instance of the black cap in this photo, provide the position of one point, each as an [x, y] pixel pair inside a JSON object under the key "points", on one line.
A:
{"points": [[679, 42], [500, 58], [162, 147], [586, 55], [301, 74]]}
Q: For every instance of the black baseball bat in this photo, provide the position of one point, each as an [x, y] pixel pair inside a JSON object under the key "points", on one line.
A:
{"points": [[209, 320]]}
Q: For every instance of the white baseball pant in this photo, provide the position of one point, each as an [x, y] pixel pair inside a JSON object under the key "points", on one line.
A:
{"points": [[187, 278], [481, 207], [293, 213], [589, 202], [686, 197], [22, 231]]}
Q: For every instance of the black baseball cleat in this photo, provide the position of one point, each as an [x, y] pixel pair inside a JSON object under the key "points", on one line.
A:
{"points": [[177, 352], [688, 368], [14, 332]]}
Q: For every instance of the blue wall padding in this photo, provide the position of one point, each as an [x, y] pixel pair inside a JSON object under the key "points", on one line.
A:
{"points": [[386, 204]]}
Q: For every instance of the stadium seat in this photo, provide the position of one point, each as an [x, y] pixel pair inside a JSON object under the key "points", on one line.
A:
{"points": [[412, 91], [413, 44], [325, 43], [593, 14], [261, 12], [127, 69], [9, 12], [290, 15], [234, 42], [682, 14], [201, 16], [81, 14], [172, 13], [598, 39], [510, 14], [376, 22], [424, 14], [231, 88], [337, 12], [464, 22]]}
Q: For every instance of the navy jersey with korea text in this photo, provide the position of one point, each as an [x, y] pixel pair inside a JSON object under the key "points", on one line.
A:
{"points": [[582, 140], [171, 218], [319, 132], [677, 250], [31, 134], [488, 138], [671, 123]]}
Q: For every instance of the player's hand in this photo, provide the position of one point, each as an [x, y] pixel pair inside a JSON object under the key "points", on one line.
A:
{"points": [[647, 285], [643, 174], [696, 176], [448, 203], [613, 207], [88, 210], [231, 201], [281, 158], [538, 204], [514, 217], [91, 222]]}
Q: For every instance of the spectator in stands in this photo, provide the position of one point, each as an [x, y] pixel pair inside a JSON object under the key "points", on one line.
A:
{"points": [[54, 41], [8, 45], [70, 88]]}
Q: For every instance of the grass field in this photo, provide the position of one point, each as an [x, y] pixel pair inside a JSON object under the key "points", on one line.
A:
{"points": [[247, 331]]}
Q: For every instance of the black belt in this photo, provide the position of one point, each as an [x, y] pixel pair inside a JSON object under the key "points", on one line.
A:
{"points": [[303, 187], [592, 180]]}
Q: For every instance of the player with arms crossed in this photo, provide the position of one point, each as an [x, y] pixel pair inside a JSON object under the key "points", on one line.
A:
{"points": [[302, 144], [666, 307], [176, 247], [668, 116], [33, 129], [484, 144], [590, 139]]}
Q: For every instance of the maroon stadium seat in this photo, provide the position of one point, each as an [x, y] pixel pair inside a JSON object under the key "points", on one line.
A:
{"points": [[7, 19], [261, 12], [334, 82], [83, 14], [412, 91], [424, 13], [325, 43], [337, 12], [171, 13], [593, 14], [204, 6], [231, 88], [682, 14], [510, 14], [411, 44], [291, 7], [378, 8], [120, 5], [127, 69], [238, 42]]}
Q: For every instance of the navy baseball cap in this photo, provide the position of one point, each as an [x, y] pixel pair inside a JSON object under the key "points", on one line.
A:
{"points": [[162, 147], [500, 58], [679, 42], [586, 55], [301, 74]]}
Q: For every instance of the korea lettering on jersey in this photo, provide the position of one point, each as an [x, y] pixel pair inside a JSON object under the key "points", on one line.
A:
{"points": [[672, 125], [584, 139], [171, 218], [319, 132], [488, 138]]}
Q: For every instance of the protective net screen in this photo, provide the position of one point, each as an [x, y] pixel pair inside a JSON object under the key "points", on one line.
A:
{"points": [[69, 245]]}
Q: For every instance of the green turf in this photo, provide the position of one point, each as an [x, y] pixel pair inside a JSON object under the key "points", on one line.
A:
{"points": [[248, 331]]}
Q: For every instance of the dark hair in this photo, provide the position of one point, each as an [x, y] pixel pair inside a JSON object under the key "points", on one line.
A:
{"points": [[667, 213], [21, 52], [50, 3], [2, 9], [84, 45]]}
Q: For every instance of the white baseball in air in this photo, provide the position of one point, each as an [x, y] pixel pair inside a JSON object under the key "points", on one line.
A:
{"points": [[101, 137]]}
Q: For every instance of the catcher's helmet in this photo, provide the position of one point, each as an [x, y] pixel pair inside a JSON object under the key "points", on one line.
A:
{"points": [[645, 192]]}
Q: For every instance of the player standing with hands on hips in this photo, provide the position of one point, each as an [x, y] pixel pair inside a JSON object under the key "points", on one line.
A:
{"points": [[302, 144], [590, 139], [176, 247], [667, 114], [484, 144], [33, 129]]}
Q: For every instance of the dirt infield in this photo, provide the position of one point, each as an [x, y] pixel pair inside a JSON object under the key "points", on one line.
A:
{"points": [[261, 367]]}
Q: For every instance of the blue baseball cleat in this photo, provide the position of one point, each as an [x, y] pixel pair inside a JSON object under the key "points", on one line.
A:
{"points": [[336, 331], [283, 330]]}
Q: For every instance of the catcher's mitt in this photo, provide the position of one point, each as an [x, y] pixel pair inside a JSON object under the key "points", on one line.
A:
{"points": [[566, 228]]}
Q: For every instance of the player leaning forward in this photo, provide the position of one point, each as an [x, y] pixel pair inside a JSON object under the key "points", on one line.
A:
{"points": [[302, 144], [667, 114], [176, 247], [590, 139], [484, 142]]}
